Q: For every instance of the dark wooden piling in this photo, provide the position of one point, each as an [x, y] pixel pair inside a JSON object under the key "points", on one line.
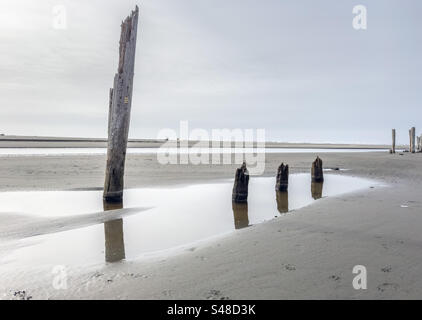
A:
{"points": [[282, 180], [241, 182], [393, 144], [119, 110], [317, 171]]}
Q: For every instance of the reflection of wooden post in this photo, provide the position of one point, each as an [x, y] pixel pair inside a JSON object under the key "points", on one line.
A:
{"points": [[282, 201], [113, 234], [120, 105], [240, 213], [114, 242], [316, 190], [393, 145], [316, 171], [241, 182], [282, 180]]}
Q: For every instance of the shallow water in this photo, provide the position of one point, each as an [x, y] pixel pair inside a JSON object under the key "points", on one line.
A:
{"points": [[64, 151], [180, 217]]}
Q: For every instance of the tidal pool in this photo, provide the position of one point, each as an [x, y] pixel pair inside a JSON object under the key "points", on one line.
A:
{"points": [[178, 218]]}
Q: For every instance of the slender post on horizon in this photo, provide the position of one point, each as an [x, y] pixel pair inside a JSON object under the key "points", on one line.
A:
{"points": [[393, 145], [119, 110], [419, 144], [412, 139]]}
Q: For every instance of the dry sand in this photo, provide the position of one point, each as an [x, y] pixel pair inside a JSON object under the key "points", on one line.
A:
{"points": [[305, 255]]}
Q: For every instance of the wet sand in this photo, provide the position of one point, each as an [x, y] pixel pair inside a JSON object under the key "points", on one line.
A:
{"points": [[10, 141], [309, 254]]}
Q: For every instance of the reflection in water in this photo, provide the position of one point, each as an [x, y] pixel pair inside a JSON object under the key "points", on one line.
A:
{"points": [[316, 190], [240, 213], [158, 229], [282, 201], [113, 234]]}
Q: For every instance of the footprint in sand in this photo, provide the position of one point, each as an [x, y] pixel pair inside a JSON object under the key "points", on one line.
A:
{"points": [[21, 295], [386, 269], [97, 275], [137, 275], [167, 293], [335, 277], [216, 295], [289, 267], [202, 258], [387, 286]]}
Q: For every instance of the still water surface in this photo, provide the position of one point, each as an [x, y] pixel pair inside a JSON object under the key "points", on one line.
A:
{"points": [[179, 217]]}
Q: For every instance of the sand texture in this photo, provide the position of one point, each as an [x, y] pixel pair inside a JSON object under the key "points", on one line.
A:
{"points": [[308, 254]]}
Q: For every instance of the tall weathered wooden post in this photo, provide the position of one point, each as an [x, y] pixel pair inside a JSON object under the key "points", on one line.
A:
{"points": [[241, 183], [282, 180], [393, 145], [317, 171], [119, 110]]}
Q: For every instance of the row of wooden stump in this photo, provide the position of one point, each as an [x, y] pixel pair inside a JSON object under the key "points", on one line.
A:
{"points": [[241, 179], [415, 142]]}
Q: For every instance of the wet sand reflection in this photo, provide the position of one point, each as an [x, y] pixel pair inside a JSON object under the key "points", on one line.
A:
{"points": [[282, 198], [240, 214], [316, 190], [113, 234]]}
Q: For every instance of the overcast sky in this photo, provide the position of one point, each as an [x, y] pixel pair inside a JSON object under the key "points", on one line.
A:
{"points": [[293, 67]]}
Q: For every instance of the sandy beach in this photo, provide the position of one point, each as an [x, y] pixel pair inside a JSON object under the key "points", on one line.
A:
{"points": [[210, 158], [306, 254]]}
